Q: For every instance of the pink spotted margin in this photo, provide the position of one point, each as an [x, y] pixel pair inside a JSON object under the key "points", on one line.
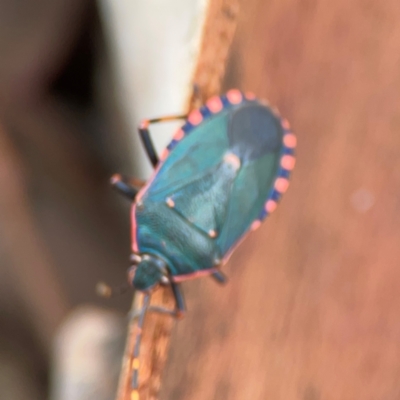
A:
{"points": [[215, 105]]}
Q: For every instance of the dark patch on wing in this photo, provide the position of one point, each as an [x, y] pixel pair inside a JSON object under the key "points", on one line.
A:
{"points": [[253, 131]]}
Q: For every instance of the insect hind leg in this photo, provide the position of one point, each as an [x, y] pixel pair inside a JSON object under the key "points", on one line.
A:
{"points": [[179, 299], [219, 277], [180, 309]]}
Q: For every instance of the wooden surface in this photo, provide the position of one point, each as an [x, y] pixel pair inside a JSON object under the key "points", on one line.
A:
{"points": [[312, 308], [218, 32], [154, 345]]}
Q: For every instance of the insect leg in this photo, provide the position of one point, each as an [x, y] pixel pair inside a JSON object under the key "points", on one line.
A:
{"points": [[144, 134], [180, 300], [180, 303], [220, 277], [123, 186]]}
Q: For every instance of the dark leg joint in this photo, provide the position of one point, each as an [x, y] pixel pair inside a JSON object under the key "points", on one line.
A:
{"points": [[180, 301], [146, 139], [220, 277], [119, 184], [147, 143]]}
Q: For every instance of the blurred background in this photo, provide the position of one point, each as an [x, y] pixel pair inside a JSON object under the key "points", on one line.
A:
{"points": [[61, 228], [311, 310]]}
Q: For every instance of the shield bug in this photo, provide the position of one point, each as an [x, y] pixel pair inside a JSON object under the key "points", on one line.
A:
{"points": [[218, 179]]}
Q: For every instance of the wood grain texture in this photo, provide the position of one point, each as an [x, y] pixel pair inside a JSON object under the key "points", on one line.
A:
{"points": [[218, 33], [154, 347], [311, 309]]}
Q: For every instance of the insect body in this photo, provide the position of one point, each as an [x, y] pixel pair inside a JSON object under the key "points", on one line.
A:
{"points": [[219, 178]]}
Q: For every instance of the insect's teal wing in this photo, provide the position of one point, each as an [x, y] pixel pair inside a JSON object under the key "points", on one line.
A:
{"points": [[174, 213], [191, 159], [256, 136], [192, 178], [221, 175]]}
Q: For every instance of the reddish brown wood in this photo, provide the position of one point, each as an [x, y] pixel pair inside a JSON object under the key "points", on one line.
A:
{"points": [[217, 36], [311, 310], [156, 334]]}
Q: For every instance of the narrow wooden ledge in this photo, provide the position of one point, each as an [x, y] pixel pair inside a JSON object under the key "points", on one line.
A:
{"points": [[153, 350], [219, 27], [218, 32]]}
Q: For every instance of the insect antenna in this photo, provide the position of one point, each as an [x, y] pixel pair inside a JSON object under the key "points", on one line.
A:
{"points": [[136, 349]]}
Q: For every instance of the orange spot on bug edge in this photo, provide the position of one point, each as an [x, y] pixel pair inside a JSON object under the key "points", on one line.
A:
{"points": [[179, 134], [134, 395], [234, 96], [215, 104], [250, 96], [285, 124], [281, 185], [195, 117], [164, 154], [135, 363], [144, 124], [270, 206], [255, 225], [288, 162], [290, 140]]}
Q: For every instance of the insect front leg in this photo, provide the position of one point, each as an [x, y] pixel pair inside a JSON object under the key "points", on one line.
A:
{"points": [[144, 134], [124, 186]]}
